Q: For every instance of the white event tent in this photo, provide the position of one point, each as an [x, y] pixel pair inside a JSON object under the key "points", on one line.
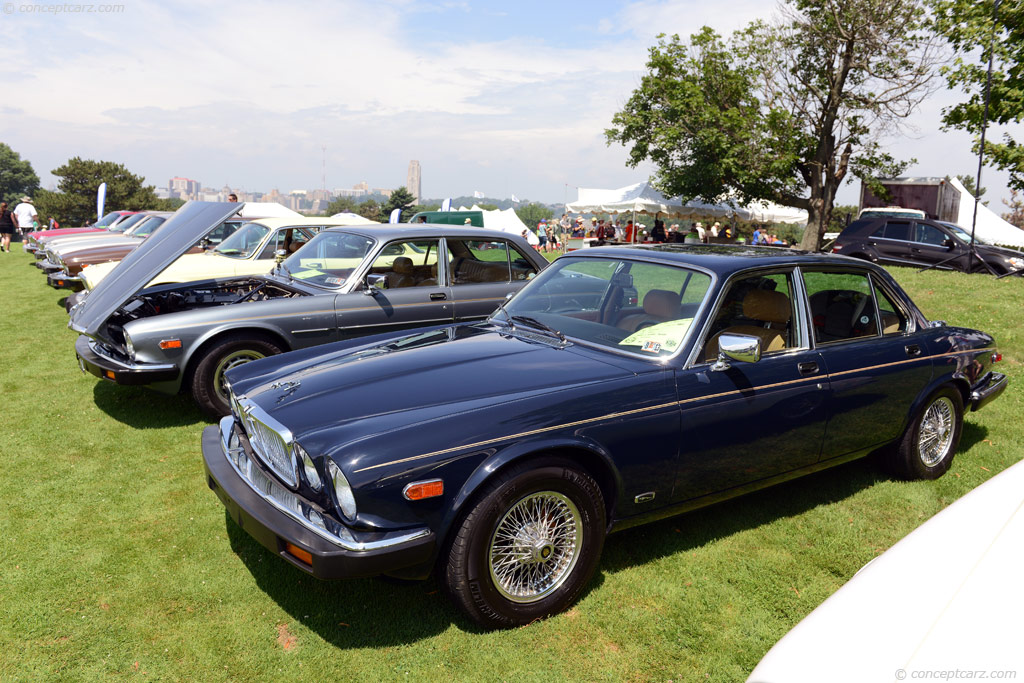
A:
{"points": [[505, 221], [644, 199], [990, 226], [266, 210], [354, 218]]}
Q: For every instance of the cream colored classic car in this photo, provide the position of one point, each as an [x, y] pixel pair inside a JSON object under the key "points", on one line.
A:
{"points": [[249, 251]]}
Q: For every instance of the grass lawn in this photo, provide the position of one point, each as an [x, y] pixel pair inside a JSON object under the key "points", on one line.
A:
{"points": [[118, 561]]}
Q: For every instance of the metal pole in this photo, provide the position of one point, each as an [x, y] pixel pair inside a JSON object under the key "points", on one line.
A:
{"points": [[984, 126]]}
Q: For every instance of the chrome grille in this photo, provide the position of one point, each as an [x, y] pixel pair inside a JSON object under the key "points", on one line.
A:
{"points": [[270, 442]]}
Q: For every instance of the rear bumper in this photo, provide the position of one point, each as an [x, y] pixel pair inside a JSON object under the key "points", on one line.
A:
{"points": [[113, 370], [356, 554], [993, 384], [61, 280]]}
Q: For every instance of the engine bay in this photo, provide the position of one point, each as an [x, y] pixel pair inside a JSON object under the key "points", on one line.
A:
{"points": [[170, 299]]}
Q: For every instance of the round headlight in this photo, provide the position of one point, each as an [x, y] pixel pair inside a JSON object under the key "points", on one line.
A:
{"points": [[129, 347], [1016, 262], [308, 469], [342, 491]]}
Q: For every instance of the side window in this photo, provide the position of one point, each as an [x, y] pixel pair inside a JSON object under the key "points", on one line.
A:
{"points": [[761, 306], [522, 269], [842, 305], [893, 319], [929, 234], [290, 240], [477, 261], [411, 263], [897, 230]]}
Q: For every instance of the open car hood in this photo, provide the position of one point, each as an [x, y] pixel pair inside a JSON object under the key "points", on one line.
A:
{"points": [[187, 226]]}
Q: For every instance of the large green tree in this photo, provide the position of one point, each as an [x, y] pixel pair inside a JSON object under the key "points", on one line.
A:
{"points": [[532, 214], [17, 178], [975, 32], [782, 111], [341, 205], [400, 198], [74, 202]]}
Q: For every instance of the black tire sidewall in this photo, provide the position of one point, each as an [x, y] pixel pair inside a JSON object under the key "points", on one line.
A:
{"points": [[203, 389], [911, 459], [491, 606]]}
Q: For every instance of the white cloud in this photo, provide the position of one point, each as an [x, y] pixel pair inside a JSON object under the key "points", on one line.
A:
{"points": [[248, 93]]}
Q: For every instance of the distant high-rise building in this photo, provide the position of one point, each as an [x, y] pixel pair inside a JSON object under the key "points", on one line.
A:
{"points": [[184, 188], [412, 180]]}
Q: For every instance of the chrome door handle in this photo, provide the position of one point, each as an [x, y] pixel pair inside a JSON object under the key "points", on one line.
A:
{"points": [[438, 296]]}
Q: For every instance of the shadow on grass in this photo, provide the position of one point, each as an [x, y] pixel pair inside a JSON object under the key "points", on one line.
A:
{"points": [[378, 612], [144, 408], [352, 613], [355, 613], [694, 529]]}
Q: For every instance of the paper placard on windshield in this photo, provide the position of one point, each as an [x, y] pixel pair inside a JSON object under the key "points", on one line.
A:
{"points": [[306, 274], [661, 337]]}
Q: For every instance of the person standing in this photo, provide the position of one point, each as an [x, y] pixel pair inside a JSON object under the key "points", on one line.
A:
{"points": [[6, 227], [658, 233], [25, 214], [233, 198]]}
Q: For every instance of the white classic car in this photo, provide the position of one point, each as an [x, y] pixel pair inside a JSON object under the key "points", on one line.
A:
{"points": [[248, 251]]}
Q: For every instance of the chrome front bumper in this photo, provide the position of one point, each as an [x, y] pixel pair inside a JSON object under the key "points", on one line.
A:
{"points": [[277, 517]]}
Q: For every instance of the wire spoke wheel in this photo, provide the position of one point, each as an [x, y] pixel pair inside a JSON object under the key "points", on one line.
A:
{"points": [[936, 433], [535, 546]]}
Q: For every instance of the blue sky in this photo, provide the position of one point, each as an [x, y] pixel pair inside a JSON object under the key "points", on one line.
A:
{"points": [[498, 97]]}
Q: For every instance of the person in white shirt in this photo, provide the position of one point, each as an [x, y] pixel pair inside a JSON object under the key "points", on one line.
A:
{"points": [[25, 214]]}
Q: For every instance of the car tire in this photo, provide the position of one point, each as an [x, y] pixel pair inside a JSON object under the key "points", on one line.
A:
{"points": [[927, 448], [225, 353], [503, 567]]}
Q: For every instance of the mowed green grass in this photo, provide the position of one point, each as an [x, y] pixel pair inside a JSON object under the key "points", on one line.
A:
{"points": [[118, 561]]}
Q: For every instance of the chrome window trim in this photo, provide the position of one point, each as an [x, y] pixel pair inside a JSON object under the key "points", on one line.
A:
{"points": [[796, 292]]}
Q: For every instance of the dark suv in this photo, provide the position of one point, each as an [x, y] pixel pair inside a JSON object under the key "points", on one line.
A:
{"points": [[922, 242]]}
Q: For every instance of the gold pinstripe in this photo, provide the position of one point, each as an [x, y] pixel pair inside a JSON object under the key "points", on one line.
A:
{"points": [[612, 416]]}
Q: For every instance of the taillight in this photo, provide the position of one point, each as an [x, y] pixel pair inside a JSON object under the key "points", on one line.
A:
{"points": [[996, 356]]}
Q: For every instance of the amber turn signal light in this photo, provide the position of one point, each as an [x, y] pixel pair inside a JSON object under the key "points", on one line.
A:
{"points": [[170, 344], [298, 553], [418, 490]]}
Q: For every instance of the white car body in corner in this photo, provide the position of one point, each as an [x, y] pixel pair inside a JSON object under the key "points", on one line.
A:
{"points": [[944, 603]]}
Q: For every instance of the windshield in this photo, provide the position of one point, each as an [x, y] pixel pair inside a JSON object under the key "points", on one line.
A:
{"points": [[643, 308], [963, 235], [244, 242], [107, 220], [128, 222], [147, 228], [329, 258]]}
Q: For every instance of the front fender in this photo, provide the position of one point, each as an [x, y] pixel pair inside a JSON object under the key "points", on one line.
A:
{"points": [[591, 455]]}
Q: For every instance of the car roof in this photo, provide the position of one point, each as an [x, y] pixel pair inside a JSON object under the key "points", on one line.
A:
{"points": [[723, 259], [390, 230], [298, 221]]}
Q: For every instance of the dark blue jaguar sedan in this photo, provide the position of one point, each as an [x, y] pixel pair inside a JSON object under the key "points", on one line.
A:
{"points": [[621, 385]]}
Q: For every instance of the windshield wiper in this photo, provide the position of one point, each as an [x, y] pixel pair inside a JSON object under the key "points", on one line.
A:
{"points": [[538, 324]]}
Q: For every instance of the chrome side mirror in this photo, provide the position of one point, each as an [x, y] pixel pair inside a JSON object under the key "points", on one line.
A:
{"points": [[742, 348], [374, 283], [279, 255]]}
